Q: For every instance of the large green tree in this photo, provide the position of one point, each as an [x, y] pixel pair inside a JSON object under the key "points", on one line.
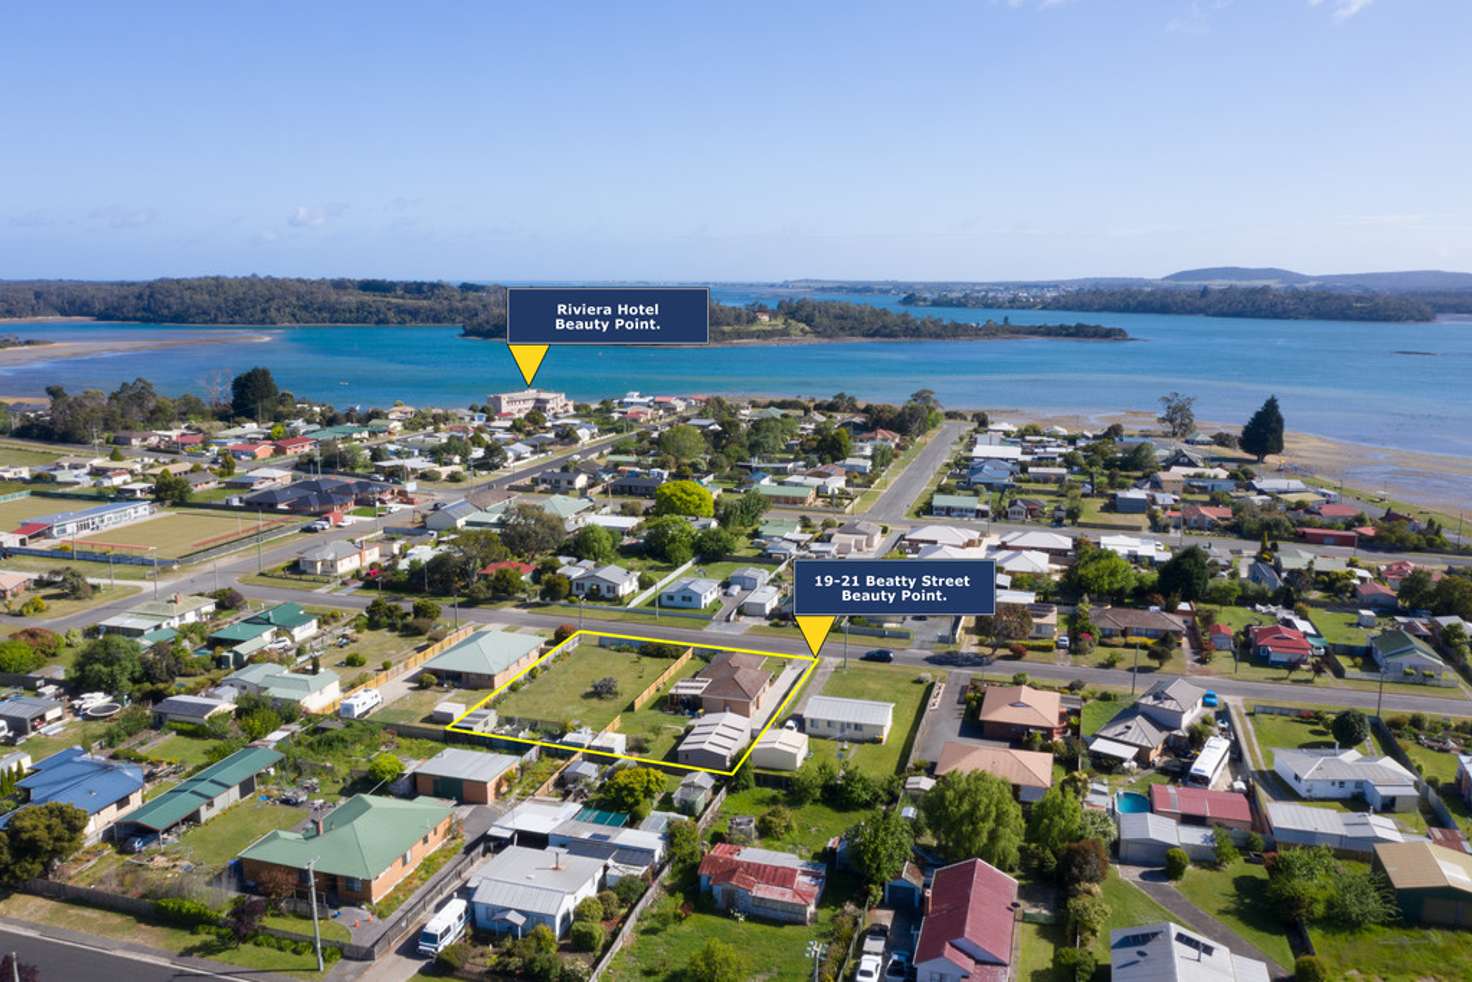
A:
{"points": [[530, 531], [593, 542], [253, 394], [683, 498], [38, 837], [1263, 433], [1184, 575], [669, 538], [111, 663], [1055, 821], [975, 815], [683, 442], [880, 844]]}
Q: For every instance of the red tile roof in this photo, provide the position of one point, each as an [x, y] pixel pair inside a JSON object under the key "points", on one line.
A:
{"points": [[1280, 638], [970, 918], [525, 569], [788, 884], [1337, 511], [1228, 806]]}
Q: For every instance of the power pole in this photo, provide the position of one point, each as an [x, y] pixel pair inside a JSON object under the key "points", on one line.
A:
{"points": [[1135, 671], [312, 892]]}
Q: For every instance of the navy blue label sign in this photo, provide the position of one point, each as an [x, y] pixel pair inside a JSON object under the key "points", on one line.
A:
{"points": [[894, 586], [607, 315]]}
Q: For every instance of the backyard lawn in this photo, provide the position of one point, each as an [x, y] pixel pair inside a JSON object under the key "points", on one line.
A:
{"points": [[1034, 951], [219, 840], [1129, 906], [813, 824], [1395, 952], [181, 749], [659, 728], [419, 703], [1237, 896], [1097, 712], [900, 686], [105, 600], [667, 938], [1288, 731], [562, 689]]}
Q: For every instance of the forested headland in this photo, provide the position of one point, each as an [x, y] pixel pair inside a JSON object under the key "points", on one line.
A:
{"points": [[1271, 303], [479, 309]]}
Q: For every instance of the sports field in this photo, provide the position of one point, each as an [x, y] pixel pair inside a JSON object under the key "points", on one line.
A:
{"points": [[179, 533]]}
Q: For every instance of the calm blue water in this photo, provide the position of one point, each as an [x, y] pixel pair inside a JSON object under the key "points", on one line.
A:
{"points": [[1340, 380], [1130, 803]]}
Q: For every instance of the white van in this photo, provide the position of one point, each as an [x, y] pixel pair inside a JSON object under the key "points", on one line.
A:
{"points": [[360, 704], [444, 928]]}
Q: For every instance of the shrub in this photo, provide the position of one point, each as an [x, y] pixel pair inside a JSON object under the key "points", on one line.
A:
{"points": [[185, 913], [610, 902], [629, 890], [1308, 968], [353, 660], [453, 958], [1073, 964], [775, 822], [427, 681], [586, 935], [589, 909], [1176, 863]]}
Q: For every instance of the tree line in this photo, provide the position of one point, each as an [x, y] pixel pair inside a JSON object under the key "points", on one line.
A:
{"points": [[1269, 303]]}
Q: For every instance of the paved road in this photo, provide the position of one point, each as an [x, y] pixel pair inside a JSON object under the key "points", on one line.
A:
{"points": [[66, 955], [896, 500]]}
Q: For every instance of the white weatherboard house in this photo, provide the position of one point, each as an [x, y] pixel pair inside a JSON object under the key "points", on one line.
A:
{"points": [[518, 888], [1338, 775], [695, 593], [837, 718]]}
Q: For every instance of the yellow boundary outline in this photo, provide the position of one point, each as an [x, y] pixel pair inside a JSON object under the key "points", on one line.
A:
{"points": [[796, 686]]}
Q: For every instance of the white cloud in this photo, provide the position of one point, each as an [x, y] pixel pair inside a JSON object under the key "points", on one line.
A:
{"points": [[312, 216], [1343, 9]]}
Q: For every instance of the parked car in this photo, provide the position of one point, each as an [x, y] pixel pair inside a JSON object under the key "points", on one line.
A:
{"points": [[1062, 642], [869, 967], [898, 968], [879, 654]]}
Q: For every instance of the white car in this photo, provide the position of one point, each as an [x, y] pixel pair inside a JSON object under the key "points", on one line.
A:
{"points": [[869, 967]]}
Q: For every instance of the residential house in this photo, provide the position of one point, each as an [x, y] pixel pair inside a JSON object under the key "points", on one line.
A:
{"points": [[761, 602], [338, 558], [857, 536], [627, 851], [762, 883], [1403, 656], [1279, 645], [733, 682], [1432, 884], [788, 495], [1010, 712], [607, 582], [470, 777], [1028, 771], [1375, 596], [968, 926], [1201, 806], [1167, 952], [1118, 622], [156, 615], [1131, 502], [1341, 775], [692, 593], [204, 794], [749, 577], [855, 720], [958, 506], [189, 709], [939, 535], [487, 659], [1222, 638], [317, 693], [1206, 518], [1174, 705], [105, 789], [1135, 549], [519, 889], [360, 850]]}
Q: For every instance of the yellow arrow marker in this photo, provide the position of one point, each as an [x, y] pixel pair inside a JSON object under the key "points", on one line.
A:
{"points": [[815, 630], [528, 359]]}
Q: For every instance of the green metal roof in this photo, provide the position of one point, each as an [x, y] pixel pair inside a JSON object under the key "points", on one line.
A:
{"points": [[240, 631], [183, 800], [287, 616], [564, 507], [484, 653], [954, 501], [360, 838]]}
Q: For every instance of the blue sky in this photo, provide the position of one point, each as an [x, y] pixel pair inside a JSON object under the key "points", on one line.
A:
{"points": [[977, 140]]}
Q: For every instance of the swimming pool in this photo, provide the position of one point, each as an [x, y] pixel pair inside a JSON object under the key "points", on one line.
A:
{"points": [[1129, 802]]}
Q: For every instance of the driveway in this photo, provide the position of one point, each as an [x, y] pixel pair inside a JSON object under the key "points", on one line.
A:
{"points": [[1154, 883]]}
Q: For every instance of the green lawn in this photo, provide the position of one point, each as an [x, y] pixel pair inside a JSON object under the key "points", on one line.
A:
{"points": [[722, 570], [1237, 896], [667, 937], [885, 684], [1340, 626], [23, 455], [813, 824], [1288, 731], [661, 729], [419, 703], [1033, 951], [175, 534], [561, 690], [1095, 515], [1238, 618], [1129, 906], [219, 840], [181, 749], [114, 598], [1395, 952], [1097, 712], [330, 929]]}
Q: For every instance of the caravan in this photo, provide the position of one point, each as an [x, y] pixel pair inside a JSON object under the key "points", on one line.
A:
{"points": [[444, 928], [1209, 763], [360, 704]]}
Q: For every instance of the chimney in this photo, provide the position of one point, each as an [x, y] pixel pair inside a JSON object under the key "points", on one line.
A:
{"points": [[925, 902]]}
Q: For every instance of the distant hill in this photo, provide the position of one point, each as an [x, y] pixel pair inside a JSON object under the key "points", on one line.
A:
{"points": [[1237, 274], [1407, 281]]}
